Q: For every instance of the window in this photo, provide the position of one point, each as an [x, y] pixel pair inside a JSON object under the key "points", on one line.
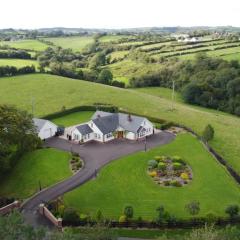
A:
{"points": [[109, 135], [88, 136], [76, 136]]}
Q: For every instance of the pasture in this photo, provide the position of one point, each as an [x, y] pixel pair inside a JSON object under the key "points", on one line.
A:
{"points": [[77, 44], [125, 182], [42, 167], [18, 63], [32, 45], [51, 93]]}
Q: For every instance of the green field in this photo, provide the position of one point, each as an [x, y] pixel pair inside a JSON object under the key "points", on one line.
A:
{"points": [[73, 118], [118, 55], [33, 45], [111, 38], [45, 167], [17, 62], [51, 93], [75, 43], [125, 182]]}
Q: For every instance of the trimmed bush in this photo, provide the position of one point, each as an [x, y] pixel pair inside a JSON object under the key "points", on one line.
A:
{"points": [[122, 219], [175, 183], [153, 174], [162, 166], [167, 125], [177, 166], [160, 158], [184, 176], [152, 163], [70, 215]]}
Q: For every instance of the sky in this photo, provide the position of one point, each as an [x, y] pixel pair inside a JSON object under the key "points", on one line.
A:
{"points": [[34, 14]]}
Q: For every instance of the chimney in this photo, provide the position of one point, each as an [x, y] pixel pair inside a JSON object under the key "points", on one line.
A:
{"points": [[98, 116], [129, 117]]}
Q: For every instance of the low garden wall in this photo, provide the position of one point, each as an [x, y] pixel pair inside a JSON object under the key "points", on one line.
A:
{"points": [[10, 207], [46, 213]]}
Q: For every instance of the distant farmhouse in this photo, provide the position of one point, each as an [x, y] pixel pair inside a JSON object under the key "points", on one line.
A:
{"points": [[45, 129], [105, 126]]}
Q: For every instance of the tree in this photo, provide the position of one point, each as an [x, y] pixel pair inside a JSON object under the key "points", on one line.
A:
{"points": [[232, 210], [97, 60], [17, 136], [208, 133], [105, 76], [128, 212], [193, 207]]}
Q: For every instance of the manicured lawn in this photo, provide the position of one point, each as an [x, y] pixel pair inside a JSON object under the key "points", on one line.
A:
{"points": [[18, 62], [125, 182], [45, 165], [73, 118], [51, 93], [75, 43], [34, 45]]}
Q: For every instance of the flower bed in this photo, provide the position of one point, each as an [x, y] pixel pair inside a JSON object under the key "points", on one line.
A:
{"points": [[75, 163], [169, 171]]}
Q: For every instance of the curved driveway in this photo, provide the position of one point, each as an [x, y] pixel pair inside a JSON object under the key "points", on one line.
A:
{"points": [[95, 156]]}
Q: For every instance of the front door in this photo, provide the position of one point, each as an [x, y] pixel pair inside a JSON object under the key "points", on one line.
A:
{"points": [[120, 134]]}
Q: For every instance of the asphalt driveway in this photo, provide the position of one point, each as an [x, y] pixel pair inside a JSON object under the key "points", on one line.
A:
{"points": [[95, 156]]}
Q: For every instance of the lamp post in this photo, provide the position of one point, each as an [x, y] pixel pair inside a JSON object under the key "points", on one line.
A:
{"points": [[40, 186], [145, 144]]}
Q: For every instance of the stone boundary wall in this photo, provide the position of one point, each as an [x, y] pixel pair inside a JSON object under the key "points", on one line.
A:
{"points": [[10, 207], [57, 222]]}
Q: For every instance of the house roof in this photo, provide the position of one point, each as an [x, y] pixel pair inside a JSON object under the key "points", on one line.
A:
{"points": [[84, 129], [39, 123], [109, 122]]}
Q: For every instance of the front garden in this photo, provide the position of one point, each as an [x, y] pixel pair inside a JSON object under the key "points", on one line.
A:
{"points": [[126, 182]]}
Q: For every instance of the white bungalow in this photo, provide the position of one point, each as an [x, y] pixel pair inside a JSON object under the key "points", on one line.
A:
{"points": [[105, 126]]}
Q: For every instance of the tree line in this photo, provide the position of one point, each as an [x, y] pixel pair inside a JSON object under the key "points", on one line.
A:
{"points": [[7, 71], [21, 54], [206, 81]]}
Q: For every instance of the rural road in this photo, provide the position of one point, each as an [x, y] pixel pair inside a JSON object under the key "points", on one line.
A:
{"points": [[95, 156]]}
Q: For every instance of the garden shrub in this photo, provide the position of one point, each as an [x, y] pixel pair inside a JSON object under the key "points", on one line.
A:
{"points": [[184, 176], [162, 166], [175, 183], [79, 165], [160, 158], [178, 159], [153, 174], [167, 125], [122, 219], [177, 166], [61, 209], [152, 163], [70, 215], [84, 217]]}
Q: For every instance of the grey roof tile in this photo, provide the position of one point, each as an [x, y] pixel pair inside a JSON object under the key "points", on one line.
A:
{"points": [[84, 129]]}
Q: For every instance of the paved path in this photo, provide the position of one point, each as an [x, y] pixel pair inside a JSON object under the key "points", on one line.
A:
{"points": [[95, 155]]}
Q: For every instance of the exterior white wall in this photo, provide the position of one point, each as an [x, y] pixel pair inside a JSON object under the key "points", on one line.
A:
{"points": [[148, 126], [107, 139], [98, 135], [130, 135], [48, 130], [80, 137]]}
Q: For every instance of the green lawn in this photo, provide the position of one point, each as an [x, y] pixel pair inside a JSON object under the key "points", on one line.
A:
{"points": [[75, 43], [45, 165], [73, 118], [125, 182], [34, 45], [51, 93], [17, 62]]}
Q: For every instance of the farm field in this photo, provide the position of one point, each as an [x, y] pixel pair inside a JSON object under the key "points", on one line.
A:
{"points": [[33, 45], [125, 182], [48, 166], [75, 93], [128, 68], [75, 43], [73, 118], [118, 55], [111, 38], [17, 62]]}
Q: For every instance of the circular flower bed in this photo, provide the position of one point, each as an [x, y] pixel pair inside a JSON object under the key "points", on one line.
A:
{"points": [[169, 171]]}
